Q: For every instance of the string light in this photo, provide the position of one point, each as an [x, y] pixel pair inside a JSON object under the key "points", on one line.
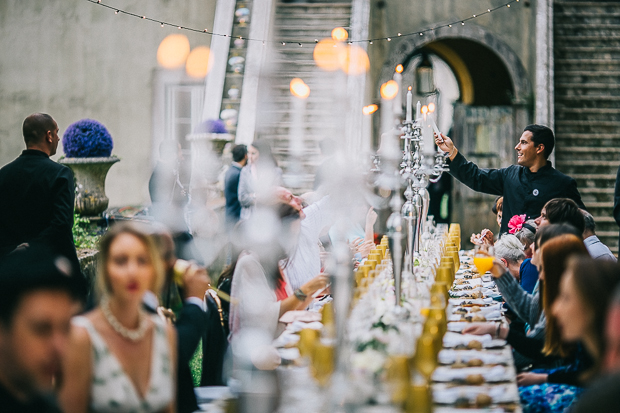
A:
{"points": [[301, 42]]}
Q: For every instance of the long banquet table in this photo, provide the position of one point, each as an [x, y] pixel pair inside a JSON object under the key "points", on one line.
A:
{"points": [[476, 373]]}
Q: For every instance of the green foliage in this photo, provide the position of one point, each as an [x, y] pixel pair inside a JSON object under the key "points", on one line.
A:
{"points": [[83, 235], [195, 365]]}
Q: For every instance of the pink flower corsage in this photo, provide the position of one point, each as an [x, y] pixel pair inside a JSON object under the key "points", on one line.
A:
{"points": [[516, 223]]}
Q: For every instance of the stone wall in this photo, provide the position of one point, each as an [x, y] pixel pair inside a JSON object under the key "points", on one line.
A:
{"points": [[74, 59]]}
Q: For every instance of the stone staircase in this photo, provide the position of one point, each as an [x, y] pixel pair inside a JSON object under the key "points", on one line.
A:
{"points": [[587, 103], [324, 112]]}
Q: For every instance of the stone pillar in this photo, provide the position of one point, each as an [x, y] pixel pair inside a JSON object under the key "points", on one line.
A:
{"points": [[544, 110], [261, 21], [357, 131], [214, 83]]}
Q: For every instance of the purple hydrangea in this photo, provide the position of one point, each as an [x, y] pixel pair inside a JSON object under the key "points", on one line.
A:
{"points": [[211, 126], [87, 138]]}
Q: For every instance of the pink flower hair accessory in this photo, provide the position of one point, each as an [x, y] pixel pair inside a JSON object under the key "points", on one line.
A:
{"points": [[516, 223]]}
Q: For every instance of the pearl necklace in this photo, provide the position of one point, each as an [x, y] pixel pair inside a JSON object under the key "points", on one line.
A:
{"points": [[133, 335]]}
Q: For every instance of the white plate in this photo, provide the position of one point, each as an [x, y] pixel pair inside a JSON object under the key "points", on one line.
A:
{"points": [[491, 374]]}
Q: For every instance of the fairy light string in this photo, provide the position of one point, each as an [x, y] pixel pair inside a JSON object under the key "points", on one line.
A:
{"points": [[301, 42]]}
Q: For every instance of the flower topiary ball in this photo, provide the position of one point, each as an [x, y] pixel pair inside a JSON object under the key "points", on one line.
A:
{"points": [[87, 138]]}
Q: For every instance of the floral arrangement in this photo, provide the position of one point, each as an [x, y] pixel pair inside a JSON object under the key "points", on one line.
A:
{"points": [[516, 223], [211, 126], [87, 138]]}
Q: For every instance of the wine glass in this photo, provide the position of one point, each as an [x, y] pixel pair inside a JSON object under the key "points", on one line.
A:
{"points": [[483, 258]]}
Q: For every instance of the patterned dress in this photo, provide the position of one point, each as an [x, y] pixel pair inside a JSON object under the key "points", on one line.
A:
{"points": [[113, 391]]}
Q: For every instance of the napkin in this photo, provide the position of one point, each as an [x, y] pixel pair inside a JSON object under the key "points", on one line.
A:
{"points": [[490, 374], [451, 339], [446, 394], [477, 301], [306, 316], [450, 356], [286, 338], [297, 326]]}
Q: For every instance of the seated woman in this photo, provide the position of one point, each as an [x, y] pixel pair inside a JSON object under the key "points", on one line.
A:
{"points": [[259, 292], [554, 389], [510, 252], [120, 358]]}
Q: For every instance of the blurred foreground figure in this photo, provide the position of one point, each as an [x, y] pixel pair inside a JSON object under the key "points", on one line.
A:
{"points": [[36, 206], [37, 300], [586, 300], [120, 358], [191, 282]]}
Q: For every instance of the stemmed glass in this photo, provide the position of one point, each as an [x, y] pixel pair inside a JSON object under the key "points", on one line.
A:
{"points": [[483, 258]]}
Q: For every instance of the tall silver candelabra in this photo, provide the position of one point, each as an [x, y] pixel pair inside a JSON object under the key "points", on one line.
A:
{"points": [[406, 222]]}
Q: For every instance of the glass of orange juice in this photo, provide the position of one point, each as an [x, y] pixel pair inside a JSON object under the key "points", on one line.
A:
{"points": [[483, 258]]}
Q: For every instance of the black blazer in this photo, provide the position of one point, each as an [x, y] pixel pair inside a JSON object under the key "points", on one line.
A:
{"points": [[36, 205], [191, 325]]}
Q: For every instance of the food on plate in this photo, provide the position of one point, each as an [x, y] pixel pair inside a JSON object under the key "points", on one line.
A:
{"points": [[478, 317], [474, 345], [483, 400], [474, 379], [475, 309], [475, 363]]}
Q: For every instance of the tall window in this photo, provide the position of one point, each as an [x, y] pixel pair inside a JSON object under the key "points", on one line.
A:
{"points": [[183, 111]]}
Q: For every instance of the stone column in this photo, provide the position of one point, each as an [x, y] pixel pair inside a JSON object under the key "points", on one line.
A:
{"points": [[220, 45], [544, 111]]}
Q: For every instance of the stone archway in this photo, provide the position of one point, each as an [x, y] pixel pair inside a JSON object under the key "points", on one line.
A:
{"points": [[485, 126], [471, 32]]}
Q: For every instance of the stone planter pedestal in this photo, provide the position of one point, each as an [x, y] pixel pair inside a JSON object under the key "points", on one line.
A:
{"points": [[89, 175]]}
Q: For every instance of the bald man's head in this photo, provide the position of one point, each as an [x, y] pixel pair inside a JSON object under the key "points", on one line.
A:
{"points": [[36, 127]]}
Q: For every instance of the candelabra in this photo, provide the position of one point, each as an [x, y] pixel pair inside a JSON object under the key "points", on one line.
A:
{"points": [[405, 224]]}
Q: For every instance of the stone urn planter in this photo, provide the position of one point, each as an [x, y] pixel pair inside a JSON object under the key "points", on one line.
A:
{"points": [[89, 175], [88, 145]]}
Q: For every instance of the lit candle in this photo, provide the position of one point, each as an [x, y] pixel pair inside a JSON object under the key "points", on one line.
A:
{"points": [[398, 101], [409, 104]]}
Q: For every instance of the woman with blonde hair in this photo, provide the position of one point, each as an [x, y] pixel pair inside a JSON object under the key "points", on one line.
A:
{"points": [[120, 358]]}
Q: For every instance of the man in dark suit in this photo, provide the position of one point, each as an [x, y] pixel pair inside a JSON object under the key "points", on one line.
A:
{"points": [[36, 206], [231, 184]]}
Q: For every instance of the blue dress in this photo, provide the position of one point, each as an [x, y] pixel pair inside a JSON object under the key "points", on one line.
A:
{"points": [[528, 275]]}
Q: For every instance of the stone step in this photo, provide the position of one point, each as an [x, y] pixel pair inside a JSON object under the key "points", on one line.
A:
{"points": [[588, 111], [590, 163], [566, 155], [598, 191]]}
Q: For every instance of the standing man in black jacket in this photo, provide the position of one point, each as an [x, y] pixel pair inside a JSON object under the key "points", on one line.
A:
{"points": [[526, 187], [231, 184], [36, 206]]}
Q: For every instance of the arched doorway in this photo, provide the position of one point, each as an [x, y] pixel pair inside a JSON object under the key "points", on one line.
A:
{"points": [[492, 106]]}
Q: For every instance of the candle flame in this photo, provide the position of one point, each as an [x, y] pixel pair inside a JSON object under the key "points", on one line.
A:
{"points": [[399, 69], [425, 109], [431, 107], [299, 88], [409, 88], [339, 34], [389, 90], [370, 109]]}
